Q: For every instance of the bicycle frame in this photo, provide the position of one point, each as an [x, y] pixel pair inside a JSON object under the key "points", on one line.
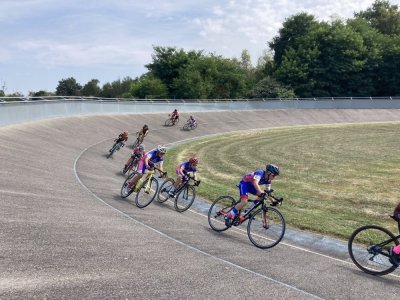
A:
{"points": [[184, 184], [241, 219]]}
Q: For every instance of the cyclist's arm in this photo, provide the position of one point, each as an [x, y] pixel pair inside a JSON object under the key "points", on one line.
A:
{"points": [[257, 187]]}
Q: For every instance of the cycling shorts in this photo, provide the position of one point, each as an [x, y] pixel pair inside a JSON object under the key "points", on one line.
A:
{"points": [[245, 188]]}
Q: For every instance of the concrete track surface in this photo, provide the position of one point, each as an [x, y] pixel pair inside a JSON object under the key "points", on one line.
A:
{"points": [[65, 232]]}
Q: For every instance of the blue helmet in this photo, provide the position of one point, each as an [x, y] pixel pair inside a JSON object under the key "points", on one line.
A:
{"points": [[273, 169]]}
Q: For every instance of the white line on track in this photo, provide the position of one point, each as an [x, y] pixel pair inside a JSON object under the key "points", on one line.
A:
{"points": [[180, 242]]}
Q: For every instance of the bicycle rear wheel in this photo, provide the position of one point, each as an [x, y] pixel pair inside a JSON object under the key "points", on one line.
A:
{"points": [[163, 194], [184, 199], [266, 235], [218, 210], [368, 248], [146, 194]]}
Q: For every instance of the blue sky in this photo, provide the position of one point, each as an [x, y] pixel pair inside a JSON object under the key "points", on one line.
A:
{"points": [[44, 41]]}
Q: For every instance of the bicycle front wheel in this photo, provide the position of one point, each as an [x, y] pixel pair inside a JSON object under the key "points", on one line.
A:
{"points": [[146, 193], [184, 199], [168, 122], [218, 210], [165, 188], [125, 190], [266, 228], [369, 249]]}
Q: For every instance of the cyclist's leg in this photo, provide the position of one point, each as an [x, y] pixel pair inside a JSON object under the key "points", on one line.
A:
{"points": [[244, 190], [141, 171]]}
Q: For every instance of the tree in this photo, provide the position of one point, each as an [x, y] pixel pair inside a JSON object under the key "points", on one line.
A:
{"points": [[149, 86], [91, 88], [270, 88], [167, 62], [68, 87], [383, 17]]}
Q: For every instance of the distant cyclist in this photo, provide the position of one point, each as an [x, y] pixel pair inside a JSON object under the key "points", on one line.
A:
{"points": [[174, 115], [137, 154], [182, 173], [142, 133], [148, 162], [122, 138], [250, 183], [192, 121]]}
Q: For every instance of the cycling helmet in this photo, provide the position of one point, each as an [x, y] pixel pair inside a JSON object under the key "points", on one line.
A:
{"points": [[126, 132], [194, 160], [273, 169], [145, 126], [161, 148], [141, 146], [175, 110]]}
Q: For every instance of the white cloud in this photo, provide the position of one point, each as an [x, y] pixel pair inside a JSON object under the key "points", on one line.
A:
{"points": [[115, 35]]}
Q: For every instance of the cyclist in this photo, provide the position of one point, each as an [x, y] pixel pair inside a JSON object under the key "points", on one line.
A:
{"points": [[122, 138], [137, 154], [250, 183], [174, 115], [142, 133], [182, 173], [192, 121], [394, 252], [147, 162]]}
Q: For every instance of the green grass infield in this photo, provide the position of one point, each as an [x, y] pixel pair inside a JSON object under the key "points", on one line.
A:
{"points": [[334, 178]]}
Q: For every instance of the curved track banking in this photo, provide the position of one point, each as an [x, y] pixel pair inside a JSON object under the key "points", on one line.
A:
{"points": [[60, 240]]}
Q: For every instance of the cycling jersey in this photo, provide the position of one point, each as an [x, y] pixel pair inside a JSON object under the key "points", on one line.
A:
{"points": [[246, 184], [122, 138], [137, 152], [153, 159], [185, 167]]}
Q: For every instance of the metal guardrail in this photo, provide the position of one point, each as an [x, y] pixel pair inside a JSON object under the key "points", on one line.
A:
{"points": [[100, 99]]}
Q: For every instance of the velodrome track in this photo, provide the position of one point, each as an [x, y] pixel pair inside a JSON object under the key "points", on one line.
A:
{"points": [[65, 232]]}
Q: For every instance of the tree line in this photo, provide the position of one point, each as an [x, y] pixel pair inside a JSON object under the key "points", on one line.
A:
{"points": [[357, 57]]}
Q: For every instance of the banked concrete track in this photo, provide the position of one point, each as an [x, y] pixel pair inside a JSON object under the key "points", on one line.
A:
{"points": [[65, 233]]}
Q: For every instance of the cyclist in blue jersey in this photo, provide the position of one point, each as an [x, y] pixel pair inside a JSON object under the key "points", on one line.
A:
{"points": [[250, 183], [182, 172], [148, 162]]}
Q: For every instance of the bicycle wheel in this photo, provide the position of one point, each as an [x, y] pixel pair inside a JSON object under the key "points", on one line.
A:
{"points": [[168, 122], [266, 236], [186, 126], [145, 196], [184, 199], [164, 189], [218, 210], [125, 191], [136, 143], [368, 248], [114, 147]]}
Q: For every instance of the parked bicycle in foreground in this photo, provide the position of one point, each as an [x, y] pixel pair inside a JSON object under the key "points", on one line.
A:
{"points": [[146, 188], [266, 226], [184, 194], [369, 247]]}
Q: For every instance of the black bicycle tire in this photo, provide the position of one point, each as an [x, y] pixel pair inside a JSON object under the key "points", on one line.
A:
{"points": [[141, 189], [186, 127], [232, 204], [168, 122], [189, 204], [282, 233], [161, 187], [123, 185], [351, 252]]}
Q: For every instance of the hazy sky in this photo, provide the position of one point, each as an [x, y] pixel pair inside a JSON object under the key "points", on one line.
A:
{"points": [[44, 41]]}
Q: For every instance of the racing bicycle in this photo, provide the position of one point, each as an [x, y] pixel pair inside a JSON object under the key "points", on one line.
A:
{"points": [[146, 188], [171, 122], [189, 125], [266, 226], [184, 195], [369, 248], [132, 167], [117, 145]]}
